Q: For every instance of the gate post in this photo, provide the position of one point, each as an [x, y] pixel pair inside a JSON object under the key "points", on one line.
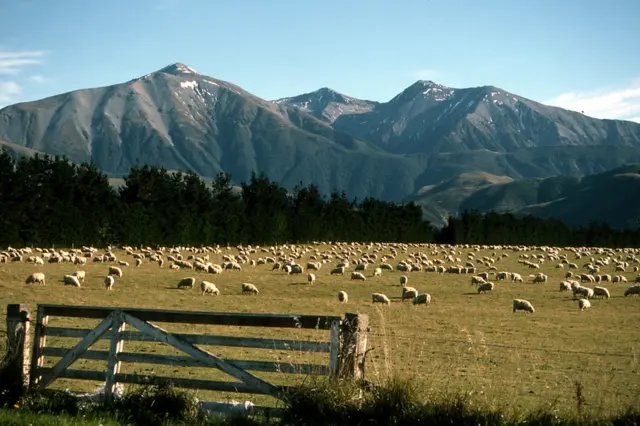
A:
{"points": [[18, 356], [354, 345]]}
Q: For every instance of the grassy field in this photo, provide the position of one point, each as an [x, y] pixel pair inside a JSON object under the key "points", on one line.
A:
{"points": [[463, 341]]}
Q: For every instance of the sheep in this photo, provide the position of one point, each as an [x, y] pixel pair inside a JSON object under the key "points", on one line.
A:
{"points": [[208, 287], [584, 304], [311, 278], [187, 282], [583, 291], [601, 291], [422, 299], [138, 262], [409, 293], [358, 276], [540, 278], [114, 270], [343, 297], [35, 278], [80, 275], [380, 298], [249, 288], [632, 290], [488, 286], [477, 280], [523, 305], [108, 282], [71, 280], [377, 272], [565, 286], [338, 271], [404, 280]]}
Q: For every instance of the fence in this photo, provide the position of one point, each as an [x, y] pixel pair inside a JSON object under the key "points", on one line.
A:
{"points": [[346, 347]]}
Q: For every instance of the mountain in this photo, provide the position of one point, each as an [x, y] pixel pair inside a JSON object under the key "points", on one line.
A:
{"points": [[426, 135], [611, 197]]}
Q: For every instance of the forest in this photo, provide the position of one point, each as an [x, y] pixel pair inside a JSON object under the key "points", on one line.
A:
{"points": [[47, 201]]}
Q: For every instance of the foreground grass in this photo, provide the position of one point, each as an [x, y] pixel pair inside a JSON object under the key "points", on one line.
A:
{"points": [[463, 342]]}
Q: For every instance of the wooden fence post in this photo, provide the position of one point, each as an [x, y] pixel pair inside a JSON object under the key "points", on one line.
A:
{"points": [[18, 354], [354, 345]]}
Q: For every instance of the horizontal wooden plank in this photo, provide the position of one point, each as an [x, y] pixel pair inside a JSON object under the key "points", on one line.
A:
{"points": [[228, 408], [320, 322], [211, 385], [203, 339], [187, 361]]}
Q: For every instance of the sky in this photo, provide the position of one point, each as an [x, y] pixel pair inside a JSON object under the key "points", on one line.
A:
{"points": [[582, 55]]}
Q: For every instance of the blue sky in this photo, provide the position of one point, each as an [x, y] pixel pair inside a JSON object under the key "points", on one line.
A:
{"points": [[579, 54]]}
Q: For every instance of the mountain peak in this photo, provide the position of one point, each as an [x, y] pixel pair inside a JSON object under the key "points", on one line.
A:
{"points": [[178, 69]]}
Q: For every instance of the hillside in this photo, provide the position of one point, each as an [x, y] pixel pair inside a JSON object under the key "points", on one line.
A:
{"points": [[427, 134], [612, 197]]}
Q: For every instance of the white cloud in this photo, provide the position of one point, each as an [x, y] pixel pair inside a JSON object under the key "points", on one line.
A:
{"points": [[8, 89], [426, 74], [38, 79], [12, 62], [613, 103]]}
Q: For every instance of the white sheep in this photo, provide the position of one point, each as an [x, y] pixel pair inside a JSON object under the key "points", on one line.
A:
{"points": [[632, 290], [601, 291], [486, 287], [409, 293], [523, 305], [35, 278], [565, 286], [380, 298], [583, 291], [358, 276], [114, 270], [311, 278], [187, 282], [343, 297], [80, 275], [338, 271], [475, 280], [249, 288], [377, 272], [108, 282], [584, 304], [208, 287], [138, 262], [422, 299], [404, 280], [71, 280]]}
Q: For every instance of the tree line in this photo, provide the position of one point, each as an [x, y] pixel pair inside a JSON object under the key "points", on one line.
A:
{"points": [[48, 201]]}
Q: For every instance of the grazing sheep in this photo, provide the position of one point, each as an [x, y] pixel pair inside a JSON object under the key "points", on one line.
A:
{"points": [[187, 282], [404, 280], [80, 275], [71, 280], [380, 298], [138, 262], [311, 278], [632, 290], [108, 282], [409, 293], [584, 304], [343, 297], [540, 278], [114, 270], [523, 305], [377, 272], [601, 291], [208, 287], [475, 280], [358, 276], [338, 271], [249, 288], [565, 286], [35, 278], [174, 266], [486, 287], [422, 299], [583, 291]]}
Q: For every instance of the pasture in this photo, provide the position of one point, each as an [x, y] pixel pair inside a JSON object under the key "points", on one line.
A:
{"points": [[462, 342]]}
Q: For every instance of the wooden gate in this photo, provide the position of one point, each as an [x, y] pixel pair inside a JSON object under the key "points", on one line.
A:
{"points": [[346, 347]]}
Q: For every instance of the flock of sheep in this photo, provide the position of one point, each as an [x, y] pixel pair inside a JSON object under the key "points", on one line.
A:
{"points": [[357, 259]]}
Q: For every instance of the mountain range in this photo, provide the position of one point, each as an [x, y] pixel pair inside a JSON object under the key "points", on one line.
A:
{"points": [[480, 146]]}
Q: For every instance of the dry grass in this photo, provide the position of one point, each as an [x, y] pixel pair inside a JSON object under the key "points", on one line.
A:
{"points": [[461, 342]]}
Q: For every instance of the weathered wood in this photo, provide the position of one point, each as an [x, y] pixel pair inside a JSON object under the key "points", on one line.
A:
{"points": [[334, 351], [113, 360], [202, 355], [187, 361], [355, 328], [39, 342], [206, 340], [73, 353], [319, 322], [211, 385], [18, 355]]}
